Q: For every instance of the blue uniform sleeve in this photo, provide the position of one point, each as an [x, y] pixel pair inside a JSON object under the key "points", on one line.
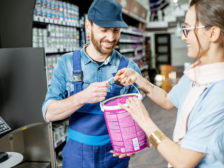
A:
{"points": [[57, 90], [205, 132], [135, 67]]}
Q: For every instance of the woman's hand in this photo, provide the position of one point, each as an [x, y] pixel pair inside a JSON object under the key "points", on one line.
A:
{"points": [[126, 76], [137, 110]]}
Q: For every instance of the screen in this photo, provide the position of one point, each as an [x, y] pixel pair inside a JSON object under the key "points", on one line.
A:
{"points": [[22, 85]]}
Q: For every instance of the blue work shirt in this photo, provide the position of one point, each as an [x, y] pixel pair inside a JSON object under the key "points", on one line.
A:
{"points": [[205, 125], [62, 80]]}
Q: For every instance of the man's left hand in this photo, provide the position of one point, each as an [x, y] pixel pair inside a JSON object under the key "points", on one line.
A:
{"points": [[122, 155]]}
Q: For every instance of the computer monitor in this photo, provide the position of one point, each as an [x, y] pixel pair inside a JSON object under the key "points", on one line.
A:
{"points": [[22, 85]]}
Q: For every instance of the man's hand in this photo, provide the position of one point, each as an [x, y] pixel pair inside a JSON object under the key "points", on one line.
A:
{"points": [[122, 155], [95, 92]]}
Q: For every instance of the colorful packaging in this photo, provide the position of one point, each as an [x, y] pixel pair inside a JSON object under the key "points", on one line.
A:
{"points": [[125, 134]]}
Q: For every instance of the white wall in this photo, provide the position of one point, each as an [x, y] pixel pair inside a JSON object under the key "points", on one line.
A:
{"points": [[179, 51]]}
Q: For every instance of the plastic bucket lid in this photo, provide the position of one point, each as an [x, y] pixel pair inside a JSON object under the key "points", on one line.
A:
{"points": [[112, 103]]}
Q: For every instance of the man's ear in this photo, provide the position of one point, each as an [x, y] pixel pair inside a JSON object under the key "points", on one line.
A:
{"points": [[215, 34], [88, 25]]}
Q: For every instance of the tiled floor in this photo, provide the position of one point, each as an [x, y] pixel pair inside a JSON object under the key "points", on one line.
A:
{"points": [[150, 158]]}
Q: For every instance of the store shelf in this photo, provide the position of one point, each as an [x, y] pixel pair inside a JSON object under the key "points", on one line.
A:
{"points": [[144, 67], [138, 57], [53, 21], [140, 48], [59, 50], [157, 25], [130, 41], [131, 32], [127, 50]]}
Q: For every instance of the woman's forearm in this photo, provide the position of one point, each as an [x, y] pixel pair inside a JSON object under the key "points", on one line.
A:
{"points": [[171, 151], [156, 94]]}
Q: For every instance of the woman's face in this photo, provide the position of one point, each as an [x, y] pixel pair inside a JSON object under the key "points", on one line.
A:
{"points": [[193, 47]]}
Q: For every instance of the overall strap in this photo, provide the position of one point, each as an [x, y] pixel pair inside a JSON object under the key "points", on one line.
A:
{"points": [[77, 71], [123, 63]]}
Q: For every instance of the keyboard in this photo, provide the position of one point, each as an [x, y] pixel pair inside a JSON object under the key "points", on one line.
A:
{"points": [[4, 127]]}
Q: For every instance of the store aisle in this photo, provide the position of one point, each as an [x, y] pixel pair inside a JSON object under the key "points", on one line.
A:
{"points": [[150, 158]]}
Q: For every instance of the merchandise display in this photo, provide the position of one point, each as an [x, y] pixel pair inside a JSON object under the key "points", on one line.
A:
{"points": [[132, 45], [51, 62], [58, 12]]}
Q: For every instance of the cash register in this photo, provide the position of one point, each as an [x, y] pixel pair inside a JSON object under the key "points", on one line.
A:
{"points": [[4, 127]]}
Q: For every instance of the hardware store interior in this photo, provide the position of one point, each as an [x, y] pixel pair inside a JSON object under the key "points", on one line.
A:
{"points": [[36, 39]]}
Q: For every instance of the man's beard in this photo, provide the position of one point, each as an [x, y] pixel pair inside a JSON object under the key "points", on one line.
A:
{"points": [[97, 45]]}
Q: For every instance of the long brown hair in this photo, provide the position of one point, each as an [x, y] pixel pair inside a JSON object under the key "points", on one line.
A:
{"points": [[209, 13]]}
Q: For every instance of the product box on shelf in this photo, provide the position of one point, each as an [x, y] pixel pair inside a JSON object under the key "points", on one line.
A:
{"points": [[134, 10], [126, 4], [142, 12]]}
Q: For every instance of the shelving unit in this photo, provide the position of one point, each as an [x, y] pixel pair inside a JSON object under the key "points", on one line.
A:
{"points": [[42, 19], [132, 45], [60, 131], [58, 28]]}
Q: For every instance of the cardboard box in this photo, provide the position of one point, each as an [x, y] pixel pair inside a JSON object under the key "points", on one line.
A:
{"points": [[126, 4], [134, 8], [143, 12]]}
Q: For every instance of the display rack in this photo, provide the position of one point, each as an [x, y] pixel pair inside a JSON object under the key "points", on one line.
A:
{"points": [[58, 28], [132, 45]]}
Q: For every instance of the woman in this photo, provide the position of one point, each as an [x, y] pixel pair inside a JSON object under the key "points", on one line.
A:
{"points": [[198, 139]]}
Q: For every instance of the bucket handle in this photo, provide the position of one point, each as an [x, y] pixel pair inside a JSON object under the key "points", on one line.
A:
{"points": [[140, 95], [131, 84]]}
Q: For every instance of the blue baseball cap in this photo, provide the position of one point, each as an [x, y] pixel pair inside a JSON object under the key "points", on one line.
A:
{"points": [[107, 14]]}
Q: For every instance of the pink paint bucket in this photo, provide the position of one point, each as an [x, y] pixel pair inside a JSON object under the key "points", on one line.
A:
{"points": [[125, 134]]}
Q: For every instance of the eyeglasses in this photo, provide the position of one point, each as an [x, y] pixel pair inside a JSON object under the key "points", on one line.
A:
{"points": [[186, 30]]}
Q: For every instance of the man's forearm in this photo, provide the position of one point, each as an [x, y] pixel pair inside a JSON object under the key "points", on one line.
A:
{"points": [[62, 109]]}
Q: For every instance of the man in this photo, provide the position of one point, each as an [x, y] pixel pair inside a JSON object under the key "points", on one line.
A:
{"points": [[80, 82]]}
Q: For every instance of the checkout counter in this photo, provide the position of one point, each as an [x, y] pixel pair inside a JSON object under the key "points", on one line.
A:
{"points": [[33, 143]]}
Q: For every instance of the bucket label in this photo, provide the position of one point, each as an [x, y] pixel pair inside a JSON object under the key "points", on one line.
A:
{"points": [[126, 136]]}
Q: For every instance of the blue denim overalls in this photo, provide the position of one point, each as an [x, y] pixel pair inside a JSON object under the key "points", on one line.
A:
{"points": [[88, 143]]}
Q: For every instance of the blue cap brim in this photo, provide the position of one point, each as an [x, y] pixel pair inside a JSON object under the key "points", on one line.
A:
{"points": [[110, 24]]}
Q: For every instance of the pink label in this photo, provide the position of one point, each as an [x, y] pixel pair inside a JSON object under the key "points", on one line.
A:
{"points": [[126, 136]]}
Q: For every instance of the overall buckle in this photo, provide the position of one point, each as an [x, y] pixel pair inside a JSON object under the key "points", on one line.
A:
{"points": [[77, 76]]}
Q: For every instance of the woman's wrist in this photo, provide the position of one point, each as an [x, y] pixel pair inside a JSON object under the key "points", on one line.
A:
{"points": [[145, 85], [156, 138], [153, 133], [138, 79], [149, 126]]}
